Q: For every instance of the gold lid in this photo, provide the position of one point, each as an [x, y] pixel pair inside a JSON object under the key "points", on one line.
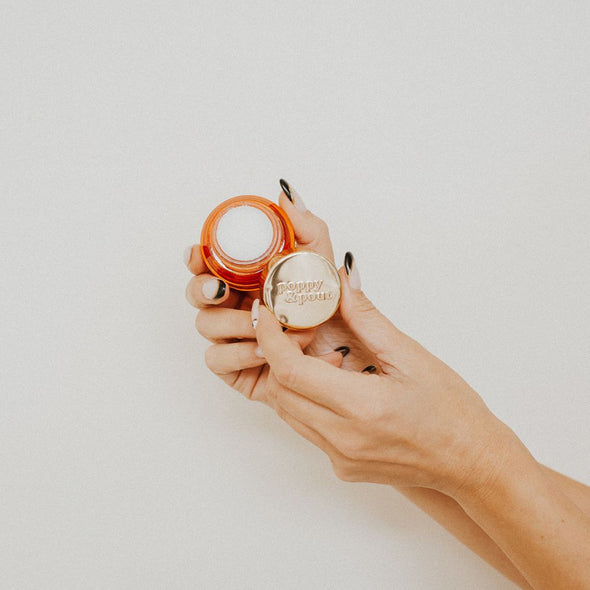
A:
{"points": [[302, 289]]}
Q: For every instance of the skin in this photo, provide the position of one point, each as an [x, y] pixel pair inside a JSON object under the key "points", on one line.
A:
{"points": [[416, 425]]}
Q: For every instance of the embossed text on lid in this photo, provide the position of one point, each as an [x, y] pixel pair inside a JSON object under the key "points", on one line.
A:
{"points": [[302, 289]]}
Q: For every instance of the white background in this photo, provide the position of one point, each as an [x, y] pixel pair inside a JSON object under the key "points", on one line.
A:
{"points": [[447, 144]]}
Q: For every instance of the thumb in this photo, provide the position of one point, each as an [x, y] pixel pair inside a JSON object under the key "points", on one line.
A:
{"points": [[311, 232], [391, 346]]}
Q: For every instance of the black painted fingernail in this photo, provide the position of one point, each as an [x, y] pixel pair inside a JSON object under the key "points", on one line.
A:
{"points": [[220, 290], [286, 188], [214, 289], [344, 350], [370, 369], [348, 262], [284, 328]]}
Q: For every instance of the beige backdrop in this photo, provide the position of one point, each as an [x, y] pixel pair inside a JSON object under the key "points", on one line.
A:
{"points": [[447, 146]]}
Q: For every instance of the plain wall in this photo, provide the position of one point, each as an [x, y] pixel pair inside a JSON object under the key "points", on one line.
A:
{"points": [[447, 145]]}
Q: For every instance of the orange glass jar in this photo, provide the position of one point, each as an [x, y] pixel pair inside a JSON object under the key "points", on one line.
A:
{"points": [[241, 235], [249, 242]]}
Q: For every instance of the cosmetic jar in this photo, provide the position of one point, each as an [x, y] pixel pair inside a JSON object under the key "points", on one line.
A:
{"points": [[249, 242]]}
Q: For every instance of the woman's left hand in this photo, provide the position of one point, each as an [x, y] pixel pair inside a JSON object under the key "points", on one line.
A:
{"points": [[413, 423]]}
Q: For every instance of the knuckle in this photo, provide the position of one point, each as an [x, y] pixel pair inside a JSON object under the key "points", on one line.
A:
{"points": [[350, 448], [188, 292], [365, 305], [344, 471], [322, 226], [286, 374], [201, 322], [211, 357], [245, 353]]}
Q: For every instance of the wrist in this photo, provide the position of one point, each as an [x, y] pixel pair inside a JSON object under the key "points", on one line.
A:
{"points": [[487, 459], [537, 526]]}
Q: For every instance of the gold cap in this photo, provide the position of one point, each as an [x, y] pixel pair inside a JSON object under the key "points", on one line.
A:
{"points": [[302, 289]]}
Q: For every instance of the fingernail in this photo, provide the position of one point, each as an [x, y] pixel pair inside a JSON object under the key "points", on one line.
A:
{"points": [[214, 289], [284, 328], [258, 352], [370, 369], [350, 266], [344, 350], [255, 312], [292, 195], [286, 189], [187, 255]]}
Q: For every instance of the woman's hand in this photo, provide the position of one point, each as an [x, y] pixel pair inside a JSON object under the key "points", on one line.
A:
{"points": [[432, 412], [224, 316], [414, 422]]}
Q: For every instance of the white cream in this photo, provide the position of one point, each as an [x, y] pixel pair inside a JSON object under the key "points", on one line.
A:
{"points": [[244, 233]]}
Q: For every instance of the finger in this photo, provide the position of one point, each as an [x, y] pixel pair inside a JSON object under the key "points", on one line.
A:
{"points": [[319, 381], [391, 346], [194, 260], [311, 232], [228, 357], [332, 358], [224, 323], [205, 289], [211, 293], [235, 356], [318, 417], [247, 383], [303, 338]]}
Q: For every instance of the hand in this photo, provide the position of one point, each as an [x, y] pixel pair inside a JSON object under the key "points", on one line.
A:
{"points": [[414, 423], [224, 317]]}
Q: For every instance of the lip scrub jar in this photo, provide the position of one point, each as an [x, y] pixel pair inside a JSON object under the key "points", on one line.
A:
{"points": [[249, 242]]}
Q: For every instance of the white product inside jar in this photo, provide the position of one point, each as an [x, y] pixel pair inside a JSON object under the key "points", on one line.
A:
{"points": [[244, 233]]}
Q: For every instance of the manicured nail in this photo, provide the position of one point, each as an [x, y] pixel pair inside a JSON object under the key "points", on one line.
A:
{"points": [[187, 255], [343, 350], [214, 289], [293, 195], [258, 352], [370, 369], [352, 271], [255, 312], [286, 189]]}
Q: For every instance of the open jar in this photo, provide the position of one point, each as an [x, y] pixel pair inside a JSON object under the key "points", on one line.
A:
{"points": [[249, 242]]}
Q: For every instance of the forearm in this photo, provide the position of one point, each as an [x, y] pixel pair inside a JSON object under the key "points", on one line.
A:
{"points": [[522, 507], [577, 492], [449, 514]]}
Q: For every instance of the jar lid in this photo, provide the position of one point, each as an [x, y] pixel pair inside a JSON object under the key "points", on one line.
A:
{"points": [[302, 289]]}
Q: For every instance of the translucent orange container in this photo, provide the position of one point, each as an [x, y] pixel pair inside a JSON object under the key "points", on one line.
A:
{"points": [[222, 244]]}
